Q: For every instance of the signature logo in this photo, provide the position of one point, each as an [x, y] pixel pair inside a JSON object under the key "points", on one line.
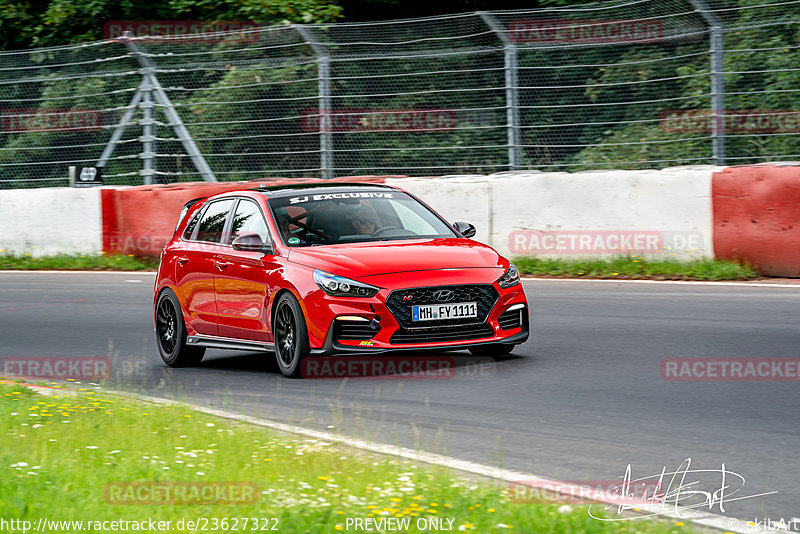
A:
{"points": [[443, 295], [680, 492]]}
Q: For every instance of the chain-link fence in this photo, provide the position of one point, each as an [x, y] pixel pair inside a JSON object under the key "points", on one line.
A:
{"points": [[631, 84]]}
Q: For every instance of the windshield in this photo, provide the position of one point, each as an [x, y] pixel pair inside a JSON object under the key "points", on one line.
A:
{"points": [[354, 216]]}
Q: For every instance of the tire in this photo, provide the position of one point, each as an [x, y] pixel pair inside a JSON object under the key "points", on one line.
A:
{"points": [[290, 334], [493, 349], [171, 333]]}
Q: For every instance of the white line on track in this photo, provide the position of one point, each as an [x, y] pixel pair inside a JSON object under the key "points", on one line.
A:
{"points": [[728, 524]]}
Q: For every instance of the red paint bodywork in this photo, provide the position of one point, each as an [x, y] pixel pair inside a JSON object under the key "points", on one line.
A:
{"points": [[236, 300]]}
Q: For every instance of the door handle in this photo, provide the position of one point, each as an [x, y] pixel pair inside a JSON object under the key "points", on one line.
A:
{"points": [[222, 264], [182, 260]]}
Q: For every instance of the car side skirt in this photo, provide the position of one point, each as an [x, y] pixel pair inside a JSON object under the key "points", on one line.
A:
{"points": [[214, 342]]}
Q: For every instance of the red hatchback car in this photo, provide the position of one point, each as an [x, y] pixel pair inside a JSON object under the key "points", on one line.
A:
{"points": [[330, 269]]}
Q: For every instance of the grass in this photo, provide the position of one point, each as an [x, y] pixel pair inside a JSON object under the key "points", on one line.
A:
{"points": [[60, 452], [636, 267], [620, 267], [77, 262]]}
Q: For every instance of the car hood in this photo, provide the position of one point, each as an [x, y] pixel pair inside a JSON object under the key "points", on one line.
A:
{"points": [[359, 260]]}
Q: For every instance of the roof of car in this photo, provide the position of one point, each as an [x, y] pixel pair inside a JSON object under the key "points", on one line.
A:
{"points": [[305, 188]]}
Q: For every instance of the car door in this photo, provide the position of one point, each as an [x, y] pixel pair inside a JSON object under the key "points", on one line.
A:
{"points": [[245, 279], [195, 267]]}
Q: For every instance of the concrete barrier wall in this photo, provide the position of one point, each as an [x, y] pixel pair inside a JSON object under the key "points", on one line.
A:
{"points": [[757, 217], [747, 213], [57, 220], [597, 213]]}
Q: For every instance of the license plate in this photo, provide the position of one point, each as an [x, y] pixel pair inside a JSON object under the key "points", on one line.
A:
{"points": [[437, 312]]}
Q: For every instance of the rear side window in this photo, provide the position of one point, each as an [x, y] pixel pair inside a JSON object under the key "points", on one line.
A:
{"points": [[187, 234], [184, 211], [212, 223]]}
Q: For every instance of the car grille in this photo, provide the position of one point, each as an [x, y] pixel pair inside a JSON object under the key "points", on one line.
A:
{"points": [[440, 334], [353, 331], [400, 302], [511, 319]]}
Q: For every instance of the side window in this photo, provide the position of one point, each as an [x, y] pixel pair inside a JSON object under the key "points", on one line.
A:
{"points": [[248, 220], [187, 234], [213, 222]]}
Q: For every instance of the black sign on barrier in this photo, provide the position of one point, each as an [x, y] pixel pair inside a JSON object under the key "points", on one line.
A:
{"points": [[88, 176]]}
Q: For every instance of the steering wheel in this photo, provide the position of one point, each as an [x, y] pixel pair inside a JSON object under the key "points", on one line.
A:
{"points": [[380, 230]]}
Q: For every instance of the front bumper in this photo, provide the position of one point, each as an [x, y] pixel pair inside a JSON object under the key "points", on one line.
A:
{"points": [[332, 347], [503, 318]]}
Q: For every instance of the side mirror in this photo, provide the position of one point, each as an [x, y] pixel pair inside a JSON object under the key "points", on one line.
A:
{"points": [[252, 243], [464, 228]]}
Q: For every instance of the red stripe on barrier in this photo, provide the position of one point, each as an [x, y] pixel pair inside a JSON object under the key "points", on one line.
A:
{"points": [[756, 211], [110, 222], [140, 220]]}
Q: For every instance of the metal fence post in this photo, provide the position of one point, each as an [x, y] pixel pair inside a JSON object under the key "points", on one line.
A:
{"points": [[512, 89], [148, 69], [717, 82], [148, 139], [325, 124], [120, 129]]}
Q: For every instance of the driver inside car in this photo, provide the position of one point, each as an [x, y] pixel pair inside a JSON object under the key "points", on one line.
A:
{"points": [[364, 225]]}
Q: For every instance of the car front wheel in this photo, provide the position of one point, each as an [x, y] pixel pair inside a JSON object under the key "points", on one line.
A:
{"points": [[171, 333], [290, 334]]}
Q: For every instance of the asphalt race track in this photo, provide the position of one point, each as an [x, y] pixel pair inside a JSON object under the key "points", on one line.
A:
{"points": [[580, 401]]}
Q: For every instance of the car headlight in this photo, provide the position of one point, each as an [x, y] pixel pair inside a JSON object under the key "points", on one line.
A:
{"points": [[511, 278], [339, 286]]}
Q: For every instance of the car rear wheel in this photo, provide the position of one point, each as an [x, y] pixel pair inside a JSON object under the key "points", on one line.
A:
{"points": [[171, 333], [493, 349], [290, 334]]}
